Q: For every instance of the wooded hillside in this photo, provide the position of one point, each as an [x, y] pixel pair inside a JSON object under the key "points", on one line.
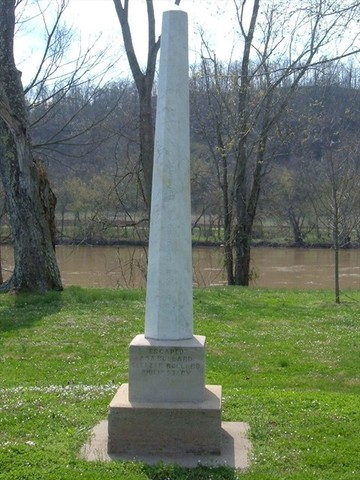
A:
{"points": [[88, 140]]}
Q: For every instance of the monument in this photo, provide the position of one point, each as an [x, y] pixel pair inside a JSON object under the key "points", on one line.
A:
{"points": [[166, 406], [166, 412]]}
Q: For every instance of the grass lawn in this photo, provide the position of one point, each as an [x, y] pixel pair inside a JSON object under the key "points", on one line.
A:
{"points": [[288, 361]]}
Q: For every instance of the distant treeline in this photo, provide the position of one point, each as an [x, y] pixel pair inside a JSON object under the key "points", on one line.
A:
{"points": [[88, 138]]}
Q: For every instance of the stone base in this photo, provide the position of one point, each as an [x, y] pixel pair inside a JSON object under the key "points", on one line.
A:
{"points": [[167, 370], [235, 450], [165, 427]]}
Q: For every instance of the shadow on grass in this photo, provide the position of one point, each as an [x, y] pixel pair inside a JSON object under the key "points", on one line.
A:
{"points": [[162, 471], [23, 310]]}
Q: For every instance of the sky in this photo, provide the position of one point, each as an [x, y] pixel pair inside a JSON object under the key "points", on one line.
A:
{"points": [[91, 18], [100, 16]]}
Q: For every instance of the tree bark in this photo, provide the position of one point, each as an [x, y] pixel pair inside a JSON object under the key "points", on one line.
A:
{"points": [[227, 209], [30, 200]]}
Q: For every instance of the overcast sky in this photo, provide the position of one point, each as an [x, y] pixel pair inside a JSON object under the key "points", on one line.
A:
{"points": [[90, 18]]}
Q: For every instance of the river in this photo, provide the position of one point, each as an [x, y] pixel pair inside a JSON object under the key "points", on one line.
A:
{"points": [[273, 267]]}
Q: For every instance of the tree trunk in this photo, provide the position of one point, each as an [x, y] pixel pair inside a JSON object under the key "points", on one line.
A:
{"points": [[337, 277], [227, 209], [144, 83], [228, 248], [1, 275], [244, 222], [336, 241], [296, 228], [29, 199], [35, 262], [146, 139], [242, 257]]}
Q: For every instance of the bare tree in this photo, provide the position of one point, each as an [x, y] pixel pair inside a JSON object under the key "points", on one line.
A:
{"points": [[281, 42], [144, 84], [285, 201], [334, 180], [30, 201]]}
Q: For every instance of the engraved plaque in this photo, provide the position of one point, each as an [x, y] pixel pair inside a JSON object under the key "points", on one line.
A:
{"points": [[167, 371]]}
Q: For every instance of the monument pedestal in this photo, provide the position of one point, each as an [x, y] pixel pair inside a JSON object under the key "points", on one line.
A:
{"points": [[166, 406], [165, 427], [167, 371]]}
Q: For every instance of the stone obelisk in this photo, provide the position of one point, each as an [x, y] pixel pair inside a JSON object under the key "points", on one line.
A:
{"points": [[169, 313], [166, 406]]}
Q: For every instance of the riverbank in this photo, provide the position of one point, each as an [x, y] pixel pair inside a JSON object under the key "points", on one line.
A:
{"points": [[201, 243], [131, 241], [287, 361]]}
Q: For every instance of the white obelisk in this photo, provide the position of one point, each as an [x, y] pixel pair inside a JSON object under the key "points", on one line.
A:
{"points": [[169, 310], [166, 406]]}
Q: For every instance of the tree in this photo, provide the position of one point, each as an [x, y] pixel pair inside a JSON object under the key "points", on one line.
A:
{"points": [[323, 121], [144, 84], [214, 118], [334, 180], [30, 201], [285, 198], [281, 42], [73, 83]]}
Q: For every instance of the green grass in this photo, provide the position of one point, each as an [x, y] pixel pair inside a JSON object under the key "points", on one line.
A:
{"points": [[288, 361]]}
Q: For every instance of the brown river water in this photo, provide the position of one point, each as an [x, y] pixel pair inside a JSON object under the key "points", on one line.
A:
{"points": [[273, 267]]}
